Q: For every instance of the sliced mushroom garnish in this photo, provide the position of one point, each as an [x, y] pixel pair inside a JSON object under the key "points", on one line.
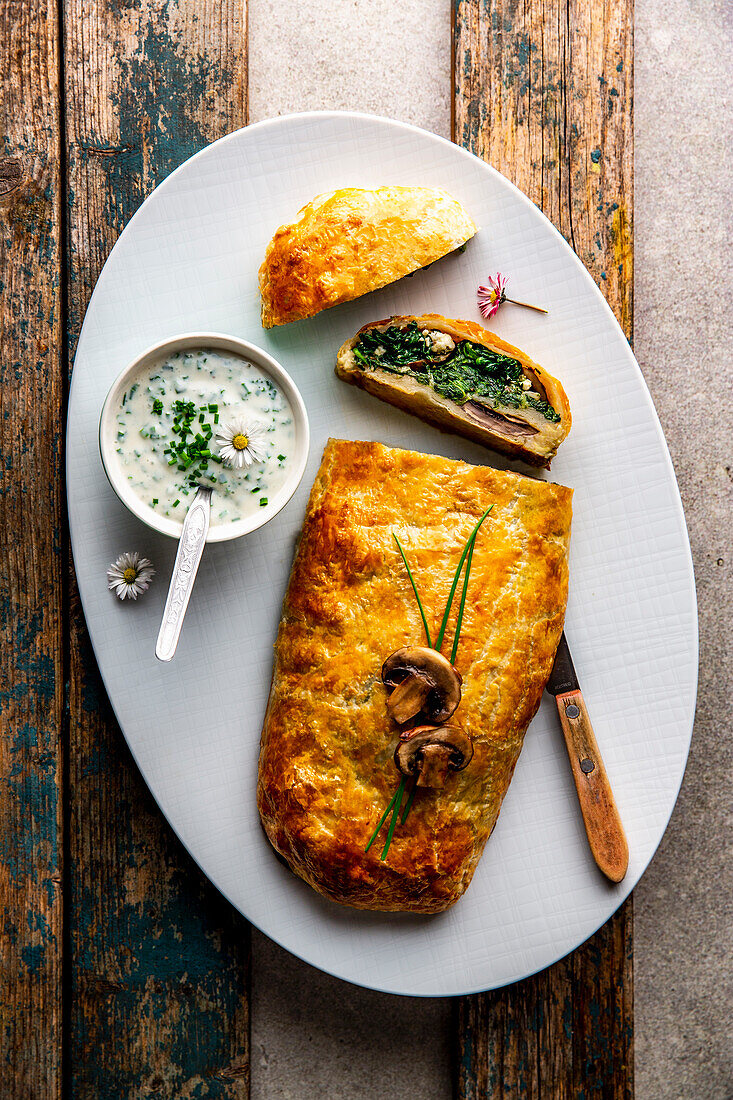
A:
{"points": [[430, 753], [421, 681]]}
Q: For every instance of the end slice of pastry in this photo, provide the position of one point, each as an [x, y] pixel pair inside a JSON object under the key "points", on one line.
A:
{"points": [[335, 749], [348, 242], [460, 377]]}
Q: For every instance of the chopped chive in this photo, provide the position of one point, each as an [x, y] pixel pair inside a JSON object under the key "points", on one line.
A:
{"points": [[414, 589], [176, 503], [155, 501], [263, 502], [466, 549], [216, 418]]}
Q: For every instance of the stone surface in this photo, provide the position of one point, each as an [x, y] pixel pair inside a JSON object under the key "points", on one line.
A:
{"points": [[384, 57], [684, 903], [315, 1036]]}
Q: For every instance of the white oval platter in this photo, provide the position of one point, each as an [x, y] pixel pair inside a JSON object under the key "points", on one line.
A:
{"points": [[188, 260]]}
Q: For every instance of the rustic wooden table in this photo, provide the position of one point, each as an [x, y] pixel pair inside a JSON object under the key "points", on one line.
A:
{"points": [[124, 974]]}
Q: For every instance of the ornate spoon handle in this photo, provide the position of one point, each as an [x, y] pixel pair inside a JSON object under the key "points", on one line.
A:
{"points": [[190, 548]]}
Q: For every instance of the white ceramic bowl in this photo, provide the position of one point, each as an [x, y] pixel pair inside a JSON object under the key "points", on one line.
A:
{"points": [[108, 434]]}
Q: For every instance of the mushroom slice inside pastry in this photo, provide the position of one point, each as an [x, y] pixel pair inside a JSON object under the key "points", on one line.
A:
{"points": [[460, 377], [338, 750]]}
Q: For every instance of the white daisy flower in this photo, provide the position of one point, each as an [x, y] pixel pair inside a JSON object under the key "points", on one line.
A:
{"points": [[130, 575], [242, 442]]}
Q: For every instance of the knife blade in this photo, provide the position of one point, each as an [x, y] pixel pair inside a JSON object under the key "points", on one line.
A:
{"points": [[600, 814]]}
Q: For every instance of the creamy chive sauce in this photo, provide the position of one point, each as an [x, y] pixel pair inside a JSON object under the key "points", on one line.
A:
{"points": [[169, 418]]}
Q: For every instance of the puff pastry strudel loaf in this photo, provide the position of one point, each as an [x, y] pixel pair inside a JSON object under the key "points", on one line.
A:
{"points": [[326, 770]]}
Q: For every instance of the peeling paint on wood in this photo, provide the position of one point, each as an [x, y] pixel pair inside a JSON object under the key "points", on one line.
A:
{"points": [[159, 962], [543, 92], [31, 570], [160, 974]]}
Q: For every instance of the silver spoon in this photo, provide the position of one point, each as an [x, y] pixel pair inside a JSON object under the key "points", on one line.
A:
{"points": [[190, 548]]}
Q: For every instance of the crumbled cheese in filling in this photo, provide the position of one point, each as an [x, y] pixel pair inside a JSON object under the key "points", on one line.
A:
{"points": [[441, 341], [526, 384]]}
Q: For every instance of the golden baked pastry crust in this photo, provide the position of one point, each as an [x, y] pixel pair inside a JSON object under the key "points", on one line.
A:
{"points": [[326, 768], [406, 393], [348, 242]]}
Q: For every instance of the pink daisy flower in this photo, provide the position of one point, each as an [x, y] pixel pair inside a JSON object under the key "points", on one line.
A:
{"points": [[491, 297], [494, 295]]}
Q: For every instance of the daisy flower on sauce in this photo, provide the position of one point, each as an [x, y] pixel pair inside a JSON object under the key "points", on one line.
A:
{"points": [[241, 442], [130, 575]]}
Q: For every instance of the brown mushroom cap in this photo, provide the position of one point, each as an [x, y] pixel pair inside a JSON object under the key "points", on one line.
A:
{"points": [[430, 752], [421, 680]]}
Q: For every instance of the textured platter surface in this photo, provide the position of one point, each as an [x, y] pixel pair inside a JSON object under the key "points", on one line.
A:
{"points": [[189, 260]]}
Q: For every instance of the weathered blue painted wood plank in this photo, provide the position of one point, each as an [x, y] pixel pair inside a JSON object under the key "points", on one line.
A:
{"points": [[31, 556], [160, 963]]}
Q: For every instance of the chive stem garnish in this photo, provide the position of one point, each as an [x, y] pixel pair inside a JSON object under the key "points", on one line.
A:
{"points": [[382, 820], [408, 804], [395, 816], [454, 586], [462, 605], [414, 589]]}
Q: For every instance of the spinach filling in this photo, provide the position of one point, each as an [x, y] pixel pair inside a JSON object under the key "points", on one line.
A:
{"points": [[467, 373]]}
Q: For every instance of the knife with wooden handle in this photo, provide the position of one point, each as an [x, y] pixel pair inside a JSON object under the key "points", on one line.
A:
{"points": [[602, 822]]}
